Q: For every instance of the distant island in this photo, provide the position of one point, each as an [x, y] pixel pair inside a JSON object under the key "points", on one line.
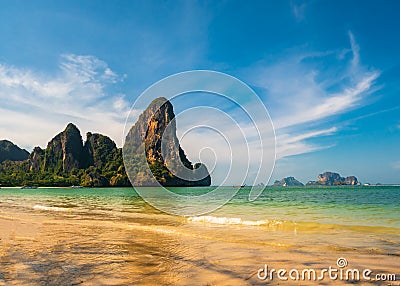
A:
{"points": [[324, 179], [97, 162], [288, 182], [333, 179]]}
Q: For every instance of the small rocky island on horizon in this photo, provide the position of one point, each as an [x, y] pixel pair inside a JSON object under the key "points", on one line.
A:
{"points": [[98, 162], [324, 179], [288, 182]]}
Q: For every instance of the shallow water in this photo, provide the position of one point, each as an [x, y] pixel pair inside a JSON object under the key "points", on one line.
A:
{"points": [[112, 237]]}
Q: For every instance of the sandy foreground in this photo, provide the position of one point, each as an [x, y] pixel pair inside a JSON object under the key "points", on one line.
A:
{"points": [[43, 248]]}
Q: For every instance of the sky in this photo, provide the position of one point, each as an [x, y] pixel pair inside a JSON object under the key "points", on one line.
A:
{"points": [[327, 71]]}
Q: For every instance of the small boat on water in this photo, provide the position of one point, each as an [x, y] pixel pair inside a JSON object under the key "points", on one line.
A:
{"points": [[239, 187], [76, 187], [29, 187]]}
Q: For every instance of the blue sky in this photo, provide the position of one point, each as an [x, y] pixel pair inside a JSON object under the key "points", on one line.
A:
{"points": [[328, 71]]}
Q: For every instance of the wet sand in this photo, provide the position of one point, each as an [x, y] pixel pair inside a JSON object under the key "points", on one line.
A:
{"points": [[40, 247]]}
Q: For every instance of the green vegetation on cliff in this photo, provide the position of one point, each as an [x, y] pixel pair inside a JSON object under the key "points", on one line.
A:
{"points": [[9, 151], [66, 161], [97, 162]]}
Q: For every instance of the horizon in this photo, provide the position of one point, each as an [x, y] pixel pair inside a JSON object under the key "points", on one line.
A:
{"points": [[327, 75]]}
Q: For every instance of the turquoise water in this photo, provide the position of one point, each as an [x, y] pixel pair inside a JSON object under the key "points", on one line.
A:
{"points": [[352, 206]]}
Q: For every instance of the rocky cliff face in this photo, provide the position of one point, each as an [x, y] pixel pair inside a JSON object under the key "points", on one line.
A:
{"points": [[64, 151], [152, 140], [103, 162], [351, 180], [98, 151], [333, 179], [330, 179], [288, 182], [98, 162], [10, 151], [36, 159], [67, 161]]}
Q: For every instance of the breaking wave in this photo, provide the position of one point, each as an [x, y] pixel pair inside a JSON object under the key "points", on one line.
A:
{"points": [[233, 221], [54, 209]]}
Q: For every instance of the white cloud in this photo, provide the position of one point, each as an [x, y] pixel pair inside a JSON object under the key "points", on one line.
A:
{"points": [[36, 106], [234, 144], [289, 144], [396, 165], [322, 105], [302, 94], [355, 48], [298, 9]]}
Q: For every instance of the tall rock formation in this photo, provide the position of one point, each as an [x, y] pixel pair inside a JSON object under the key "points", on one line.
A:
{"points": [[36, 159], [152, 151], [98, 151], [64, 151], [101, 153], [65, 162], [10, 151]]}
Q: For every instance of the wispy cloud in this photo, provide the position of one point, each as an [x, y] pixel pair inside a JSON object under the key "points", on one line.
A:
{"points": [[289, 144], [298, 9], [322, 107], [355, 48], [303, 95], [36, 105], [396, 165]]}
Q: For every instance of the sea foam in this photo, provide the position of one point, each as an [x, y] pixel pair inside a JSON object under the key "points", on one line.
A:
{"points": [[229, 220], [54, 209]]}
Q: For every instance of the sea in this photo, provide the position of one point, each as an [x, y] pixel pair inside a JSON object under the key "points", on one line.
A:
{"points": [[369, 206]]}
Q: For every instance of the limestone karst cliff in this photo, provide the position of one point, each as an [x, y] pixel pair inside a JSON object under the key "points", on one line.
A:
{"points": [[97, 162], [68, 161], [10, 151], [64, 151], [152, 151]]}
